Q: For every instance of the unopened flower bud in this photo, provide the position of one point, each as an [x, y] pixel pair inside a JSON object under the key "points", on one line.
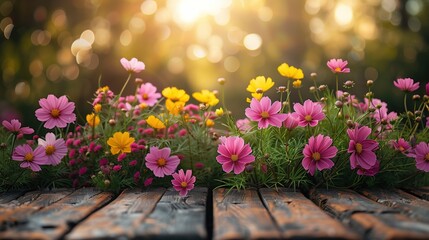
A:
{"points": [[138, 81], [339, 104], [346, 94], [350, 124], [369, 83], [259, 90], [221, 81], [322, 88], [281, 89], [284, 103], [203, 107], [340, 115], [313, 89], [371, 109], [323, 99], [92, 176], [418, 119], [106, 182], [112, 122], [416, 97], [410, 114], [369, 95], [426, 97], [215, 92], [313, 74], [418, 113], [349, 84], [3, 145], [266, 155]]}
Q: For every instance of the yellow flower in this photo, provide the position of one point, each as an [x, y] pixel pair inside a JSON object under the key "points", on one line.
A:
{"points": [[120, 142], [260, 84], [296, 83], [207, 97], [290, 71], [97, 108], [92, 120], [219, 112], [103, 89], [155, 122], [174, 107], [175, 94], [210, 123], [142, 106]]}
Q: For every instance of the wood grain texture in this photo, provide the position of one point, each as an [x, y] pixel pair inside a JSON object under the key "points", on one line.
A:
{"points": [[408, 204], [120, 218], [9, 196], [240, 214], [53, 221], [371, 219], [422, 192], [19, 210], [299, 217], [175, 217]]}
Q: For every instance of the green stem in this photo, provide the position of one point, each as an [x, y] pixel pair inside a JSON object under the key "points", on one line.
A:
{"points": [[123, 87]]}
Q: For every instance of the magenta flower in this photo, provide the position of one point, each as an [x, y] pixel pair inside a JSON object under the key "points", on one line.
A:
{"points": [[406, 84], [422, 156], [182, 182], [160, 161], [234, 154], [369, 172], [362, 149], [318, 153], [290, 122], [243, 125], [14, 126], [265, 113], [401, 146], [55, 112], [147, 94], [55, 149], [338, 66], [29, 158], [308, 114], [133, 65]]}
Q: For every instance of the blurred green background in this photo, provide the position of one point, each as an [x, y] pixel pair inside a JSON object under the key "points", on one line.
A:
{"points": [[65, 47]]}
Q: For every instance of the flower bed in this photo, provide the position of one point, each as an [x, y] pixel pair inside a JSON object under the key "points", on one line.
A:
{"points": [[160, 138]]}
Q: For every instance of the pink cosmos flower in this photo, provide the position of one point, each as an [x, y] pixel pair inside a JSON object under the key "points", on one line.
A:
{"points": [[338, 66], [55, 112], [14, 126], [382, 117], [369, 172], [182, 182], [243, 125], [234, 154], [55, 149], [265, 113], [133, 65], [30, 158], [318, 153], [147, 94], [160, 161], [422, 156], [361, 148], [290, 122], [406, 84], [308, 114], [401, 146]]}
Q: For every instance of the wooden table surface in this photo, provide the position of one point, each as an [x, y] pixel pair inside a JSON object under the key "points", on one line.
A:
{"points": [[159, 213]]}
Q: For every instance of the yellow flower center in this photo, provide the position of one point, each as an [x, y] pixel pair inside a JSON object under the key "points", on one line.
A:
{"points": [[265, 114], [316, 156], [161, 162], [183, 184], [145, 96], [55, 113], [427, 157], [29, 157], [337, 69], [358, 148], [49, 150], [308, 118], [401, 148], [234, 157]]}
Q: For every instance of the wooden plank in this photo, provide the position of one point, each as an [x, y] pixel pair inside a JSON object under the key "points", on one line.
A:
{"points": [[120, 218], [422, 192], [369, 218], [53, 221], [177, 217], [400, 200], [19, 210], [299, 217], [6, 197], [240, 214]]}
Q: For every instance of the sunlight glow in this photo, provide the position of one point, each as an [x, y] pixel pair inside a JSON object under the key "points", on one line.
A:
{"points": [[186, 12], [343, 14]]}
